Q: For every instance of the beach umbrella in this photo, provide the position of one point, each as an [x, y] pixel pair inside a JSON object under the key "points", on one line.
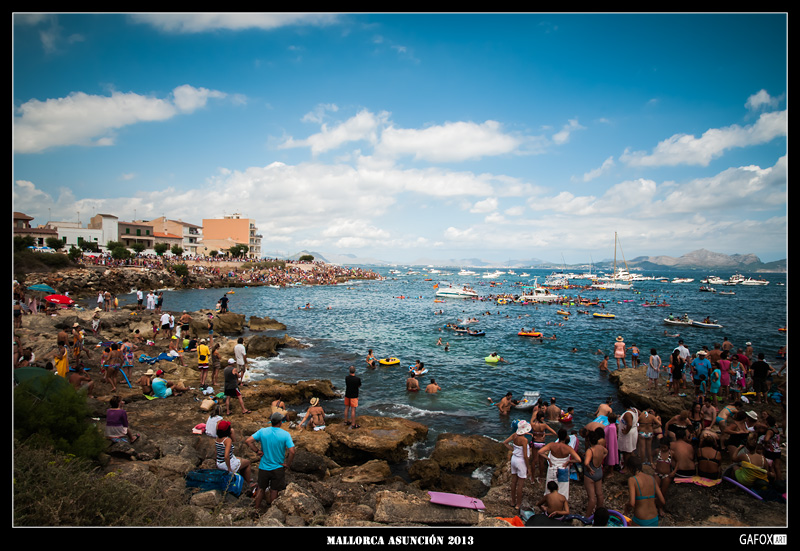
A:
{"points": [[42, 287], [59, 299]]}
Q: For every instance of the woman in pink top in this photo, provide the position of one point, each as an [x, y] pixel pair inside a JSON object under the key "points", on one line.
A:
{"points": [[619, 351], [725, 379], [612, 459]]}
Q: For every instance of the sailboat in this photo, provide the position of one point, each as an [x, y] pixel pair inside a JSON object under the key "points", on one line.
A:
{"points": [[620, 279]]}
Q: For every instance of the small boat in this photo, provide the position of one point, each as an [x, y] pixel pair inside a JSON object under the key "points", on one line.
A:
{"points": [[606, 316], [678, 321], [562, 312], [389, 361], [529, 399], [530, 334], [705, 324]]}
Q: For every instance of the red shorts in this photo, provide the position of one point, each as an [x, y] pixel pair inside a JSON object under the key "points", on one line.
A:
{"points": [[351, 402]]}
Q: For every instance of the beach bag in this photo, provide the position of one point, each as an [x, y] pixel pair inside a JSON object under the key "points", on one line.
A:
{"points": [[215, 479]]}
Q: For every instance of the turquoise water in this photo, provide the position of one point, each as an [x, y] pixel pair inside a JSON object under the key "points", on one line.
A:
{"points": [[347, 320]]}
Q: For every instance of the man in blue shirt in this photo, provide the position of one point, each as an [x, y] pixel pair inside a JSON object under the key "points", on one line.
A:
{"points": [[275, 443], [700, 366]]}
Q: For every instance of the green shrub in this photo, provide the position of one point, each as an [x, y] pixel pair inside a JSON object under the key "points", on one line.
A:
{"points": [[56, 415], [56, 489]]}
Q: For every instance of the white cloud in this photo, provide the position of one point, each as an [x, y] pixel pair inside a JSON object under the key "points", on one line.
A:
{"points": [[687, 149], [562, 137], [761, 100], [237, 21], [485, 206], [449, 142], [91, 120], [363, 126], [607, 165]]}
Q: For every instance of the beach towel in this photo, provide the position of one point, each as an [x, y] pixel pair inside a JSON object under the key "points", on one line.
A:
{"points": [[699, 480], [144, 358]]}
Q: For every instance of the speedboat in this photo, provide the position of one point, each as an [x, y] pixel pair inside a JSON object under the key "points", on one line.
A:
{"points": [[751, 281], [445, 290]]}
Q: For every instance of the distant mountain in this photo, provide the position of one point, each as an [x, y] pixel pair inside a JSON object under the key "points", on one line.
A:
{"points": [[700, 259], [709, 261]]}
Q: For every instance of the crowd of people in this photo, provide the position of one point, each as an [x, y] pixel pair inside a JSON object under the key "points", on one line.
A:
{"points": [[720, 436]]}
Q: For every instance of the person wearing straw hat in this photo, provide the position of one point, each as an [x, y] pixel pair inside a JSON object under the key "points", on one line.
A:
{"points": [[520, 461], [315, 416], [146, 381], [619, 351]]}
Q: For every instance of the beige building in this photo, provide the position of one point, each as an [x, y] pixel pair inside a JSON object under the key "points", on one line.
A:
{"points": [[190, 236], [220, 234], [136, 232]]}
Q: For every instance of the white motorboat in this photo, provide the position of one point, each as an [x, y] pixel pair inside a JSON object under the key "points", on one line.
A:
{"points": [[445, 290], [682, 280], [537, 293], [751, 281], [465, 272]]}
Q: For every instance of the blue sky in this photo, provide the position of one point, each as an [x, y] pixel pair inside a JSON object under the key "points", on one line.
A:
{"points": [[409, 136]]}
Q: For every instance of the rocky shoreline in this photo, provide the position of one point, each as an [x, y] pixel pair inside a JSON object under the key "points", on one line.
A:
{"points": [[341, 477]]}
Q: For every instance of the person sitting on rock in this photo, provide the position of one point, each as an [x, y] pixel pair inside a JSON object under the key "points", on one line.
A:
{"points": [[315, 416]]}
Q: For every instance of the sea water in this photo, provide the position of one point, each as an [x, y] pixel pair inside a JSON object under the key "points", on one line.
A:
{"points": [[398, 317]]}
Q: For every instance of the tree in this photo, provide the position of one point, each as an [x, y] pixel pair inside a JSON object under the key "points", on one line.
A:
{"points": [[120, 252], [160, 248], [22, 242], [238, 250], [54, 243], [138, 248], [74, 253], [177, 250], [307, 258]]}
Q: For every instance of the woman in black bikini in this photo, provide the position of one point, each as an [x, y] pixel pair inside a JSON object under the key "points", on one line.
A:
{"points": [[538, 430], [709, 459]]}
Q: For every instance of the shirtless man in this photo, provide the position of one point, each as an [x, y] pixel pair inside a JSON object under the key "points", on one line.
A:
{"points": [[412, 384], [683, 455], [603, 409], [79, 379], [505, 404], [553, 504], [315, 416], [553, 412], [433, 387]]}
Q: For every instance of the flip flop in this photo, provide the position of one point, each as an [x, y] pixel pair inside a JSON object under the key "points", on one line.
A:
{"points": [[135, 438], [246, 412]]}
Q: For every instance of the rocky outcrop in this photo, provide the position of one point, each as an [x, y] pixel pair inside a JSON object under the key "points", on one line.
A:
{"points": [[343, 476]]}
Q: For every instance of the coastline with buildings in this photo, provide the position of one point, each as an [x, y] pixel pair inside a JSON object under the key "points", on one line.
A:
{"points": [[213, 235]]}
